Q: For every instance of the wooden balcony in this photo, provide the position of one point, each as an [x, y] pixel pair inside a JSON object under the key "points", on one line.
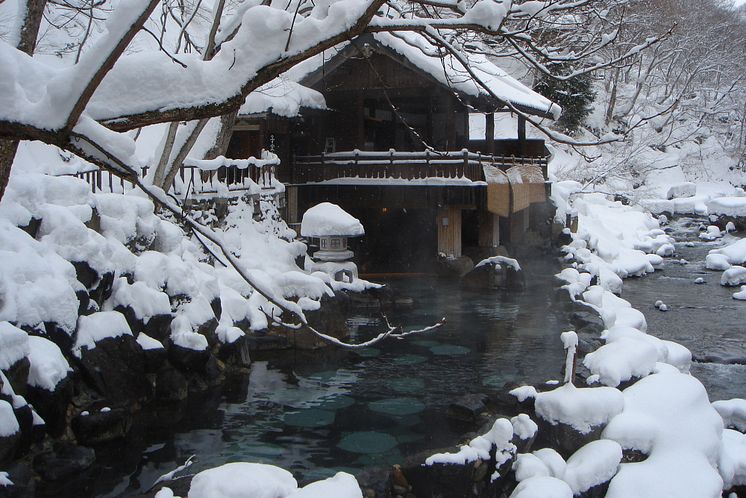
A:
{"points": [[460, 166]]}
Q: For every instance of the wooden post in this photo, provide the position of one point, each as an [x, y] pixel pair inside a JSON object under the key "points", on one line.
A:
{"points": [[360, 112], [489, 133], [448, 220], [489, 231], [522, 132], [450, 125]]}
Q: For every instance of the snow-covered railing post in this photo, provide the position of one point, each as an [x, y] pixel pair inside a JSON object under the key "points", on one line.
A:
{"points": [[570, 344]]}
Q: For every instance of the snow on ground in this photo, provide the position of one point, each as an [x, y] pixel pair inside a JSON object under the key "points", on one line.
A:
{"points": [[666, 413]]}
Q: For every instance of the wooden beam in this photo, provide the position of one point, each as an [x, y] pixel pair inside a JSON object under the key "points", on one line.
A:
{"points": [[489, 133]]}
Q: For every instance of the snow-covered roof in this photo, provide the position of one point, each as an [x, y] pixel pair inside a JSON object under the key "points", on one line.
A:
{"points": [[418, 53], [327, 219]]}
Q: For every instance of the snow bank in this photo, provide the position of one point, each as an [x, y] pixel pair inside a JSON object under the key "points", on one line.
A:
{"points": [[668, 416], [580, 408], [686, 189], [329, 219], [13, 345], [48, 365]]}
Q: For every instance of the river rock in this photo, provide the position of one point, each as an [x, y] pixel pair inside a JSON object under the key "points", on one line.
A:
{"points": [[456, 267], [493, 273], [24, 484], [188, 360], [64, 460], [236, 353], [115, 368], [564, 438], [52, 405], [95, 427], [17, 375], [170, 385], [467, 408]]}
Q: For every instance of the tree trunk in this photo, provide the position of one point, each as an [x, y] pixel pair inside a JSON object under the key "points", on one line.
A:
{"points": [[224, 136], [26, 43]]}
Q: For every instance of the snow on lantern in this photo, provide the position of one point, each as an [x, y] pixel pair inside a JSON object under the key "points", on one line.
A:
{"points": [[332, 225]]}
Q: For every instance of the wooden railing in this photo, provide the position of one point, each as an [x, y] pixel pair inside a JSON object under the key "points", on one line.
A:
{"points": [[192, 178], [401, 165]]}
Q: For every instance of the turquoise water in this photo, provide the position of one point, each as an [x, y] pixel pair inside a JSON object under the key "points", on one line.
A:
{"points": [[315, 414]]}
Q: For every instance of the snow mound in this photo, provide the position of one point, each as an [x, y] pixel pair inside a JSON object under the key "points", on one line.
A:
{"points": [[48, 365], [581, 408], [715, 261], [241, 479], [667, 416], [327, 219], [593, 464], [733, 412], [622, 360], [523, 426], [542, 487], [8, 422], [732, 463], [733, 276], [686, 189], [13, 345], [97, 327], [342, 485], [734, 253]]}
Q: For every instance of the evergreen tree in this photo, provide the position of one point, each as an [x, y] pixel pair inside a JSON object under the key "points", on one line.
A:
{"points": [[575, 95]]}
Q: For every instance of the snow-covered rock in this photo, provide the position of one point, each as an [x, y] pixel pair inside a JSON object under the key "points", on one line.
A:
{"points": [[582, 408], [733, 276], [542, 486], [241, 479], [48, 366], [622, 360], [14, 345], [733, 412], [714, 261], [686, 189], [592, 465]]}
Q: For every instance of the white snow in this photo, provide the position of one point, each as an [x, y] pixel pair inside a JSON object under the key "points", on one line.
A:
{"points": [[735, 253], [686, 189], [329, 219], [5, 479], [734, 276], [523, 426], [147, 343], [523, 393], [499, 437], [342, 485], [8, 423], [542, 487], [241, 479], [740, 295], [593, 464], [97, 327], [145, 301], [583, 408], [622, 360], [500, 260], [667, 415], [733, 412], [13, 345], [715, 261], [48, 365], [732, 463]]}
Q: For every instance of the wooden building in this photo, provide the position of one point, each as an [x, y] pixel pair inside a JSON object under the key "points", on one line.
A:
{"points": [[391, 139]]}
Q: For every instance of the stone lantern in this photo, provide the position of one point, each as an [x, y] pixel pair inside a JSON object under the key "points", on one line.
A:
{"points": [[332, 225]]}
